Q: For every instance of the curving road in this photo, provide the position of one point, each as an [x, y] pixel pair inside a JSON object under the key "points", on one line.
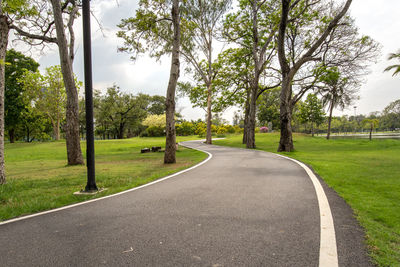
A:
{"points": [[240, 208]]}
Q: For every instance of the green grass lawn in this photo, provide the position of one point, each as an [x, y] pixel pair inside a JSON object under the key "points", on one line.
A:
{"points": [[38, 178], [365, 173]]}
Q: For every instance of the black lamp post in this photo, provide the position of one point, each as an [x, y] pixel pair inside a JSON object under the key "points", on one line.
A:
{"points": [[87, 54]]}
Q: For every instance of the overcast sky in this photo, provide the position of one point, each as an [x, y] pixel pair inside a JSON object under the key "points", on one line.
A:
{"points": [[378, 19]]}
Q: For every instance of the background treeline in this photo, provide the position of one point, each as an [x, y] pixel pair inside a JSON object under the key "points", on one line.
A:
{"points": [[36, 103]]}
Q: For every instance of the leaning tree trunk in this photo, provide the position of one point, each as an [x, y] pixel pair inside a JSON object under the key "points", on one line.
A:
{"points": [[209, 116], [170, 142], [251, 142], [246, 117], [74, 152], [328, 135], [286, 140], [4, 29]]}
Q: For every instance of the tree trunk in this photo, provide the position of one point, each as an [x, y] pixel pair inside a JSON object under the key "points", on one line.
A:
{"points": [[11, 135], [312, 129], [209, 116], [328, 135], [251, 142], [286, 139], [74, 153], [121, 131], [4, 30], [170, 142], [246, 117], [28, 133], [57, 130], [288, 73], [370, 133]]}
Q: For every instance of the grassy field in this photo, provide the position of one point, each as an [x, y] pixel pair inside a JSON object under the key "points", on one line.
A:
{"points": [[38, 178], [365, 173]]}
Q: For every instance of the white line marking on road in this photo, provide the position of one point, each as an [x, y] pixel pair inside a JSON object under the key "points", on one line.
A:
{"points": [[105, 197], [328, 256]]}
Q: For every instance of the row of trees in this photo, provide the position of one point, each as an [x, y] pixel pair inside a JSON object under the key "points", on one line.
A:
{"points": [[291, 46], [36, 103]]}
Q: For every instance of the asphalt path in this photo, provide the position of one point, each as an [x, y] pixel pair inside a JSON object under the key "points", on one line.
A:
{"points": [[240, 208]]}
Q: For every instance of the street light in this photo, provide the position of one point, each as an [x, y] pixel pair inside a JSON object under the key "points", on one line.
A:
{"points": [[87, 55]]}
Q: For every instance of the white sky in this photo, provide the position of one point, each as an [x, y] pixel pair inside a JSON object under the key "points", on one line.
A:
{"points": [[378, 19]]}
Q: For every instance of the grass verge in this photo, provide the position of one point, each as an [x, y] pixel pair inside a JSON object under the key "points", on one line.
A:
{"points": [[365, 173], [38, 178]]}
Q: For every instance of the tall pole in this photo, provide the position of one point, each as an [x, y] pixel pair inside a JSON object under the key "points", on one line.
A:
{"points": [[87, 54]]}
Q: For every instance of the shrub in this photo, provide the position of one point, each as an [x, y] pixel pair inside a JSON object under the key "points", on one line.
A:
{"points": [[222, 130], [185, 128], [264, 129], [230, 129], [200, 129], [155, 120], [154, 131], [238, 130]]}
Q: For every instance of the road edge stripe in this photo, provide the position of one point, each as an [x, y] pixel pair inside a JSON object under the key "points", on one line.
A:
{"points": [[328, 249], [113, 195]]}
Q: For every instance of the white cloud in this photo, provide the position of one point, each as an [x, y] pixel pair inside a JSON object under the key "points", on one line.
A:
{"points": [[378, 19]]}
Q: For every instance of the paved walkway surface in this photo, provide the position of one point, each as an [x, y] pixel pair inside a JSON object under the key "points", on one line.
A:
{"points": [[241, 208]]}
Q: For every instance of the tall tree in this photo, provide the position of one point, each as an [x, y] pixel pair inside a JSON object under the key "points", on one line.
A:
{"points": [[338, 91], [170, 143], [372, 124], [254, 28], [311, 111], [293, 15], [47, 92], [156, 28], [202, 19], [230, 85], [117, 110], [15, 101], [74, 153], [268, 108]]}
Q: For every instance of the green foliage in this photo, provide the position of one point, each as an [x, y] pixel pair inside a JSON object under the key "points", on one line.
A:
{"points": [[47, 95], [201, 129], [18, 8], [185, 128], [154, 131], [116, 112], [155, 120], [222, 130], [395, 67], [230, 129], [391, 116], [311, 110], [268, 108], [238, 130], [371, 123], [17, 102], [156, 105], [150, 30]]}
